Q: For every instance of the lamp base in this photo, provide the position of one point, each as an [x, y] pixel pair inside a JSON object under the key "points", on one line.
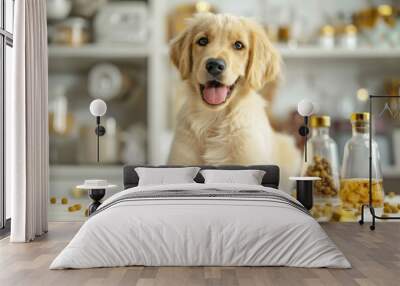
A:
{"points": [[96, 195], [304, 193]]}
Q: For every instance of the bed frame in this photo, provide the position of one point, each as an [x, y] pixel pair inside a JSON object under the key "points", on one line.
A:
{"points": [[270, 179]]}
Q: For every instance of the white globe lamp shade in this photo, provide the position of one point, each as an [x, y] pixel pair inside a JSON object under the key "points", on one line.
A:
{"points": [[98, 107], [305, 107]]}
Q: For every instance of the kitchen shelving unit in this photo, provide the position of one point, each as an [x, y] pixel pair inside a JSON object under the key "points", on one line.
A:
{"points": [[67, 59], [75, 61]]}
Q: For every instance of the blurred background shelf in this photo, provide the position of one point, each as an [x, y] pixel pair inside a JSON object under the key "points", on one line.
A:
{"points": [[99, 51], [65, 58], [315, 52], [100, 170]]}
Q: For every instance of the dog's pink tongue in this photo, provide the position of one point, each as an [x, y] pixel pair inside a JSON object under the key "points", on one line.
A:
{"points": [[215, 95]]}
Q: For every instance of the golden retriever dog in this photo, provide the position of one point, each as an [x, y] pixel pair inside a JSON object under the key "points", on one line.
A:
{"points": [[223, 61]]}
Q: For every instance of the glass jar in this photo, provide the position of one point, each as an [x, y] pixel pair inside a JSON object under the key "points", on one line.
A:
{"points": [[73, 32], [327, 37], [323, 163], [354, 184]]}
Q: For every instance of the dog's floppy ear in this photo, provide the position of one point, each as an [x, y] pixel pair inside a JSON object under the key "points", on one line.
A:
{"points": [[264, 63], [181, 53]]}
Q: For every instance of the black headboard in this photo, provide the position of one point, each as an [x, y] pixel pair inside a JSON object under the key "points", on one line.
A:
{"points": [[270, 179]]}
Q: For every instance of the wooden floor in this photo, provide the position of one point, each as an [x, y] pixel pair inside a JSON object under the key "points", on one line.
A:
{"points": [[375, 257]]}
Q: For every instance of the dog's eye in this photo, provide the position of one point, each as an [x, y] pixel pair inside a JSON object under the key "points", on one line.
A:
{"points": [[203, 41], [238, 45]]}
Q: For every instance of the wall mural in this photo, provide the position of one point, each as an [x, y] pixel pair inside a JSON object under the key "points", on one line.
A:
{"points": [[196, 103]]}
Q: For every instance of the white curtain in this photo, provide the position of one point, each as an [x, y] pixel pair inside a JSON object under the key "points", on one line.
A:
{"points": [[27, 153]]}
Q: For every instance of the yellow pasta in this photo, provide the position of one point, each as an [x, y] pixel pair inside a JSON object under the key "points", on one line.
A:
{"points": [[355, 192]]}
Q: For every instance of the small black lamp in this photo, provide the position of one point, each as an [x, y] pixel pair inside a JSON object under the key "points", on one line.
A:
{"points": [[98, 108], [304, 185]]}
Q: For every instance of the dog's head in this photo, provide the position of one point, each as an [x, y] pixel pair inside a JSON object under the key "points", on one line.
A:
{"points": [[223, 57]]}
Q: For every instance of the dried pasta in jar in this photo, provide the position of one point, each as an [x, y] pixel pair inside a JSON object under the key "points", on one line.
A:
{"points": [[355, 192]]}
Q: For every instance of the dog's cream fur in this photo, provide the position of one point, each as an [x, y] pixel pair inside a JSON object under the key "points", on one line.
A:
{"points": [[237, 131]]}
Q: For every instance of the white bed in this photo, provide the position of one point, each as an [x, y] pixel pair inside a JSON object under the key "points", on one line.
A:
{"points": [[201, 224]]}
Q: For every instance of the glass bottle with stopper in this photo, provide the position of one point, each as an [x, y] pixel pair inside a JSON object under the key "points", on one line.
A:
{"points": [[324, 163], [354, 184]]}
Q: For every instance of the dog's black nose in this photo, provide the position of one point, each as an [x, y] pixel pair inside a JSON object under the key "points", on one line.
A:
{"points": [[215, 66]]}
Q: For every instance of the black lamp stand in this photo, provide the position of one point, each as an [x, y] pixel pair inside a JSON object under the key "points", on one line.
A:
{"points": [[304, 186], [304, 131], [100, 131]]}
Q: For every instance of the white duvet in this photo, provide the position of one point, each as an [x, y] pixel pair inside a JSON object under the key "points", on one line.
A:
{"points": [[190, 231]]}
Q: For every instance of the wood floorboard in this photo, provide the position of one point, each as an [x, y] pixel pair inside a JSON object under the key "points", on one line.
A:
{"points": [[375, 257]]}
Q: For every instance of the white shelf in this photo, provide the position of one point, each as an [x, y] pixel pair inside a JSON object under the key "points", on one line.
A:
{"points": [[127, 51], [66, 172], [314, 52], [99, 51]]}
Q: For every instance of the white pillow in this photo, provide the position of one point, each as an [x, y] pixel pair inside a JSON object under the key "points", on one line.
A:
{"points": [[165, 176], [248, 177]]}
